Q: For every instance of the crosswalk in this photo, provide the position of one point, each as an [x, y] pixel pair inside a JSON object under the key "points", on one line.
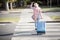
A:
{"points": [[51, 28], [26, 29], [26, 32]]}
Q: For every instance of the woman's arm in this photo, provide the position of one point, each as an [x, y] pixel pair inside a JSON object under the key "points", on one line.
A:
{"points": [[31, 6]]}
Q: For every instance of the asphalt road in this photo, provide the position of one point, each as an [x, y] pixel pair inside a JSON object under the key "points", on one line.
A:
{"points": [[26, 27]]}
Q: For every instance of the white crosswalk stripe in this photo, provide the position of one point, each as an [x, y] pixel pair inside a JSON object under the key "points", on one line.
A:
{"points": [[24, 28]]}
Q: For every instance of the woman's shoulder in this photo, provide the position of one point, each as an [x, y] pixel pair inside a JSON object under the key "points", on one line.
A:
{"points": [[39, 8]]}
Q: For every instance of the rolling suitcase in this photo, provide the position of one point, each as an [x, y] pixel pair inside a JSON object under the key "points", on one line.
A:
{"points": [[40, 26]]}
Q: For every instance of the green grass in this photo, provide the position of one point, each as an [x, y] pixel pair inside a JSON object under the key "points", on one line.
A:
{"points": [[9, 19], [53, 9], [55, 17]]}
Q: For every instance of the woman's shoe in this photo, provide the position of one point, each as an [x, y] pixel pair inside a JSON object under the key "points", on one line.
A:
{"points": [[35, 28]]}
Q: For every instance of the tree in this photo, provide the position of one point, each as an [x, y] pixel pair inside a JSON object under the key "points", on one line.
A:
{"points": [[25, 2], [11, 3], [57, 2], [7, 3]]}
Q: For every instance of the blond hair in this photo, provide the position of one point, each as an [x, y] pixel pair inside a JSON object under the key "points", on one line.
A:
{"points": [[36, 5]]}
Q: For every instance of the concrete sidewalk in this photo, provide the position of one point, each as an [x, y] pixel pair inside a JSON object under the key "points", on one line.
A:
{"points": [[13, 10], [44, 10]]}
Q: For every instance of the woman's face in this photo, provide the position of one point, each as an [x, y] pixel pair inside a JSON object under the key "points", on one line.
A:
{"points": [[35, 4]]}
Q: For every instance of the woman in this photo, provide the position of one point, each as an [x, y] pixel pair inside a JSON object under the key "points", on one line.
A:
{"points": [[36, 13]]}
